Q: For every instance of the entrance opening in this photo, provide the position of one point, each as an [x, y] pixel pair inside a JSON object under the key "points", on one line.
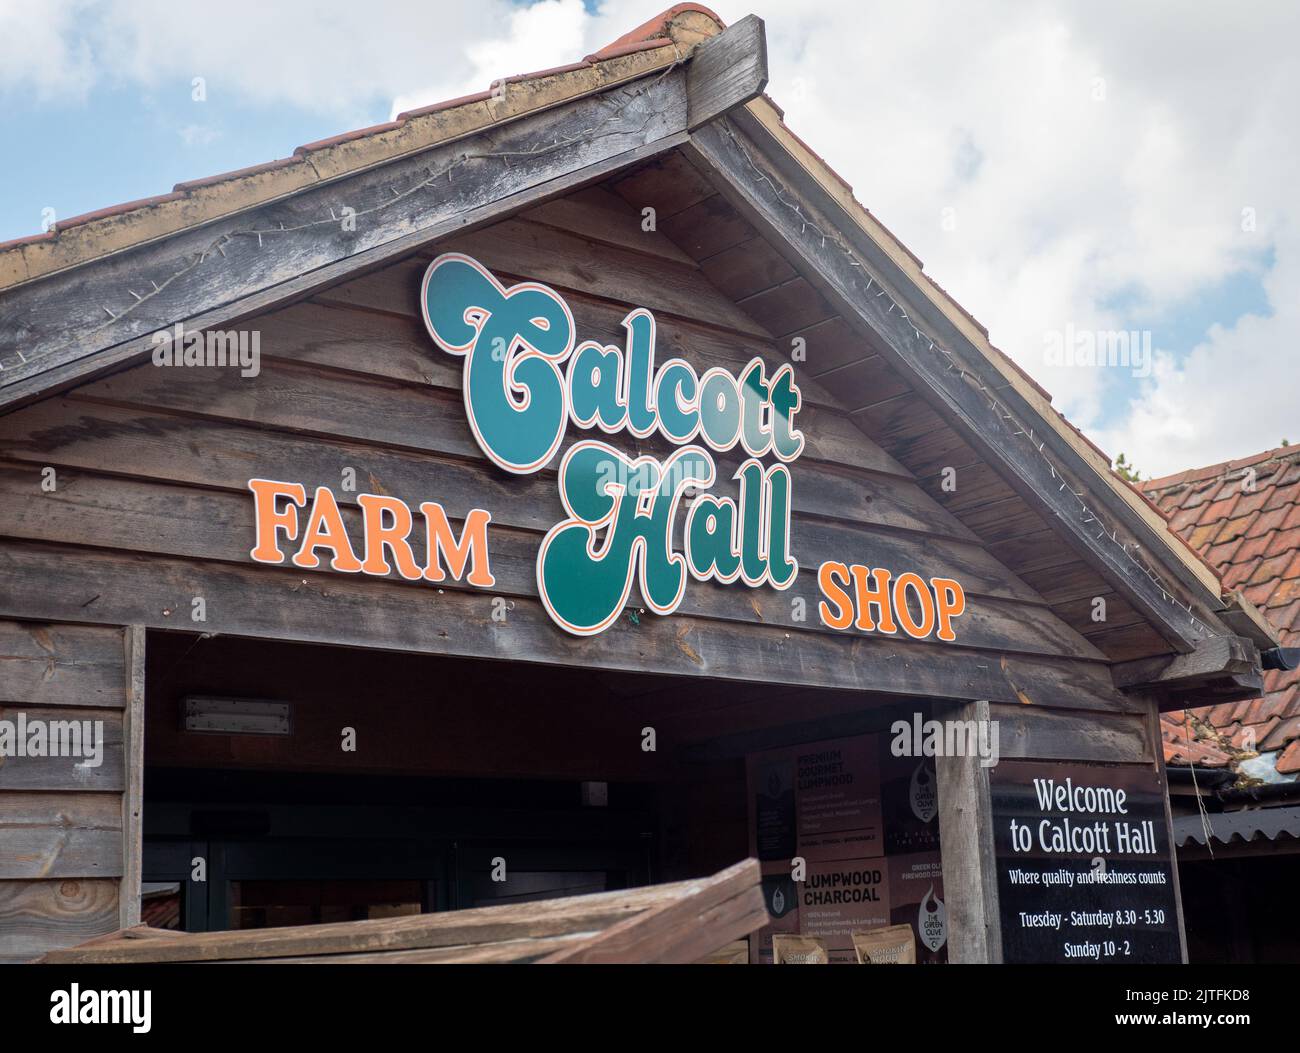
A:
{"points": [[293, 784]]}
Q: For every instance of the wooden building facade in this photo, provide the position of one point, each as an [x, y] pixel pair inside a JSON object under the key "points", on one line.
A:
{"points": [[433, 731]]}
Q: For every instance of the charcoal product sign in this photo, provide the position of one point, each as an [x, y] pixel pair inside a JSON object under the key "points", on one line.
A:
{"points": [[1085, 872]]}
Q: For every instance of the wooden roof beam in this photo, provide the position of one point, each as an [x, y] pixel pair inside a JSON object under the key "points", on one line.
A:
{"points": [[58, 330], [793, 210], [1219, 656]]}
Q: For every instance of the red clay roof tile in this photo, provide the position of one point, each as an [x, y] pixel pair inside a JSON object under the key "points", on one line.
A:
{"points": [[1284, 732], [1285, 541], [448, 104], [1233, 528], [1221, 716], [1253, 547], [1218, 555], [1268, 521], [1220, 508], [116, 210], [1283, 496], [619, 50], [1252, 538], [346, 137], [655, 29], [652, 34], [1271, 569], [239, 173]]}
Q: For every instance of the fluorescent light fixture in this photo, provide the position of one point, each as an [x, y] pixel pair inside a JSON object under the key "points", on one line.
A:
{"points": [[237, 716]]}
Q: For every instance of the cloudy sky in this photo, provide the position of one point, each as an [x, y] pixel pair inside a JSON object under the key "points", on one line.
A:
{"points": [[1066, 170]]}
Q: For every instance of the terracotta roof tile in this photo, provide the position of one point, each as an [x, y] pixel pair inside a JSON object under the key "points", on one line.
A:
{"points": [[123, 225], [1268, 521], [1233, 528], [346, 137], [1252, 538], [1270, 570], [240, 173], [1220, 508], [655, 28], [1200, 754], [448, 104], [1282, 496], [1285, 593], [1253, 547], [1284, 541], [617, 51], [1284, 732], [115, 210], [1218, 555], [1250, 503], [1235, 577], [1229, 488], [1217, 471], [1196, 496], [1245, 737], [1221, 716], [1183, 519], [1286, 615], [1289, 762], [1274, 705], [1258, 594]]}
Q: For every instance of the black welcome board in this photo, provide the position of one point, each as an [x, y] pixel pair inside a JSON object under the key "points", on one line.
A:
{"points": [[1084, 867]]}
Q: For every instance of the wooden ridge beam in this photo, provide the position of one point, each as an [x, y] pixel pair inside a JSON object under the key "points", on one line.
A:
{"points": [[72, 324]]}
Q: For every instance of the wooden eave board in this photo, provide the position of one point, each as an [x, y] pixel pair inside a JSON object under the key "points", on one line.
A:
{"points": [[1181, 628], [765, 112]]}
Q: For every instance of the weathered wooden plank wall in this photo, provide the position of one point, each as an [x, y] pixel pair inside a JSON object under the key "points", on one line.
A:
{"points": [[155, 461], [150, 510], [62, 847]]}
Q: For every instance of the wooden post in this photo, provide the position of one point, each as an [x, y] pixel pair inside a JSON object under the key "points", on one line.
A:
{"points": [[132, 795], [970, 885], [1158, 751]]}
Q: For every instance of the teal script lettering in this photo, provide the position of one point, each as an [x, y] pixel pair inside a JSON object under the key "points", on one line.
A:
{"points": [[525, 378]]}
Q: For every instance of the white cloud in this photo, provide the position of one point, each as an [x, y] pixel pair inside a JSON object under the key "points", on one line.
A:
{"points": [[1105, 212], [40, 49], [1096, 157], [198, 134], [547, 34], [330, 56], [1235, 394]]}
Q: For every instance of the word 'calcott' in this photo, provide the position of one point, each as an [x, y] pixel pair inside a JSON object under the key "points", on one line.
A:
{"points": [[526, 377]]}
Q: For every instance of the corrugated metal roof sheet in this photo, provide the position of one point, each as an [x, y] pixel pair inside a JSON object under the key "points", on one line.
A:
{"points": [[1242, 826]]}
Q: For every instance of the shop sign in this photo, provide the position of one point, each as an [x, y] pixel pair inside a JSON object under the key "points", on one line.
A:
{"points": [[1085, 871], [526, 378]]}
